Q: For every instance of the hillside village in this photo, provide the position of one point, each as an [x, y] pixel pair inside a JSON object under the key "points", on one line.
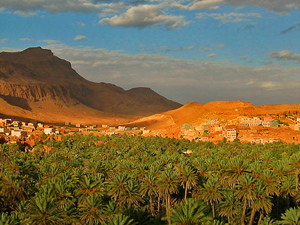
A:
{"points": [[258, 130]]}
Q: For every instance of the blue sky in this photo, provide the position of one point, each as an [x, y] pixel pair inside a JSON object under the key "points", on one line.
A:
{"points": [[186, 50]]}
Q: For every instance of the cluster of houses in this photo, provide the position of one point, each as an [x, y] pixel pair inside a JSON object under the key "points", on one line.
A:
{"points": [[246, 129], [12, 131], [255, 121]]}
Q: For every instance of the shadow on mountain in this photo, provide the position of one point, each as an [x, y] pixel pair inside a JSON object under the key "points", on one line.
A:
{"points": [[16, 101]]}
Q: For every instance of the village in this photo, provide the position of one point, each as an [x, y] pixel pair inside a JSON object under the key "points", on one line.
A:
{"points": [[30, 134], [258, 130]]}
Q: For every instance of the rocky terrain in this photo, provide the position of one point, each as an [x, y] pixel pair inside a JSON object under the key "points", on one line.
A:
{"points": [[36, 84], [196, 114]]}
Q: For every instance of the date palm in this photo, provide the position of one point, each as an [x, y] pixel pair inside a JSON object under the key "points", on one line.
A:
{"points": [[42, 210], [123, 189], [148, 188], [189, 212], [187, 178], [267, 221], [88, 186], [211, 192], [132, 195], [91, 211], [120, 219], [229, 206], [291, 217], [245, 192], [168, 185], [262, 202]]}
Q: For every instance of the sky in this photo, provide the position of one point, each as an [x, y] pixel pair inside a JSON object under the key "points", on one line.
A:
{"points": [[186, 50]]}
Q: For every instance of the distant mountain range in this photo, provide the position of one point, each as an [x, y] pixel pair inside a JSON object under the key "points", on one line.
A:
{"points": [[37, 85]]}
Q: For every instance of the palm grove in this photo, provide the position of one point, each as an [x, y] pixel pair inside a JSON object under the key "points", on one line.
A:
{"points": [[137, 180]]}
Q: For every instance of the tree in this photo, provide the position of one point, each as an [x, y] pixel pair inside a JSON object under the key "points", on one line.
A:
{"points": [[211, 192], [189, 212], [187, 178], [120, 219], [245, 192], [291, 217], [168, 185], [229, 206], [148, 187], [42, 210], [91, 211], [261, 202]]}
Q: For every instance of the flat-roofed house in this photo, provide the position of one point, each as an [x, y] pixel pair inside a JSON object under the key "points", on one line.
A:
{"points": [[230, 134]]}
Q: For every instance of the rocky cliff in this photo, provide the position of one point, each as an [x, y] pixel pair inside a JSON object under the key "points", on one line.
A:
{"points": [[35, 76]]}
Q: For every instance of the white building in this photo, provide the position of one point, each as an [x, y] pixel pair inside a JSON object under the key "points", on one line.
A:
{"points": [[18, 133], [48, 130]]}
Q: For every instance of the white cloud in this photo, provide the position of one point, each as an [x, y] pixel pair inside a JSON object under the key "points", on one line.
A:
{"points": [[274, 5], [270, 85], [205, 49], [80, 38], [24, 39], [285, 55], [221, 46], [145, 16], [25, 13], [173, 77], [185, 48], [52, 6], [50, 42], [212, 55], [229, 17], [107, 8], [279, 6], [196, 5], [4, 40]]}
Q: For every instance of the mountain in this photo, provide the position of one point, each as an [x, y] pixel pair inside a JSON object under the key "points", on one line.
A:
{"points": [[196, 114], [36, 84]]}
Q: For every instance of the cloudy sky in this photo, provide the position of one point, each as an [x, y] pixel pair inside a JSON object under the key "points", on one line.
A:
{"points": [[186, 50]]}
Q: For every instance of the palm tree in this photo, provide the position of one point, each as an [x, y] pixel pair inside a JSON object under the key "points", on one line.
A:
{"points": [[291, 217], [42, 210], [91, 211], [148, 187], [189, 212], [288, 189], [229, 207], [245, 192], [168, 185], [236, 169], [211, 192], [5, 219], [120, 219], [267, 221], [132, 194], [295, 161], [187, 178], [117, 188], [12, 189], [261, 202], [89, 186]]}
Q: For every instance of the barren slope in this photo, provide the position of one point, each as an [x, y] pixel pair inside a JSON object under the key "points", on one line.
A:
{"points": [[35, 79], [196, 114]]}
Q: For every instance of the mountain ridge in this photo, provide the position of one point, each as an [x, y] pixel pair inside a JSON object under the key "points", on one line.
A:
{"points": [[35, 76]]}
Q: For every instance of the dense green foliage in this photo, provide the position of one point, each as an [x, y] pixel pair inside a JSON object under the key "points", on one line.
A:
{"points": [[136, 180]]}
